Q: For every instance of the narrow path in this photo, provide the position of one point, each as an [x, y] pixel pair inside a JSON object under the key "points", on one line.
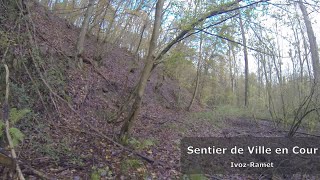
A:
{"points": [[168, 136]]}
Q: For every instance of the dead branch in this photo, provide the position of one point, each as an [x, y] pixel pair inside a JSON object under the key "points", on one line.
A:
{"points": [[303, 110], [34, 171], [10, 163], [7, 124], [7, 161]]}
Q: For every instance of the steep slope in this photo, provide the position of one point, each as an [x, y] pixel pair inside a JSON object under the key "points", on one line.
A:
{"points": [[95, 94]]}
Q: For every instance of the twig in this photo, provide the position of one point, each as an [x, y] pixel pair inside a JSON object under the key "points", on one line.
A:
{"points": [[36, 87], [36, 172]]}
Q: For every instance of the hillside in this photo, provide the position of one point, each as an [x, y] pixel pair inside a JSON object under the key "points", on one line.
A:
{"points": [[95, 93]]}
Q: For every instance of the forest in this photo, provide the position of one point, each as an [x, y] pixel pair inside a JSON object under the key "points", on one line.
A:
{"points": [[107, 89]]}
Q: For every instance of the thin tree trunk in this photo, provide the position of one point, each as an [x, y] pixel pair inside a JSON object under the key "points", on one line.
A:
{"points": [[231, 67], [268, 87], [259, 79], [102, 20], [246, 66], [305, 48], [83, 33], [279, 76], [7, 125], [140, 38], [301, 62], [312, 42], [198, 75], [125, 129], [110, 25]]}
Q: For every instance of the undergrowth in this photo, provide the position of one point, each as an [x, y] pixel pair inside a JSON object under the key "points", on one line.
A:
{"points": [[219, 114], [141, 144]]}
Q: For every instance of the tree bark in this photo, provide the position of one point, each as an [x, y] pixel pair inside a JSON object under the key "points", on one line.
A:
{"points": [[140, 38], [278, 68], [83, 32], [246, 66], [125, 129], [312, 42], [198, 75], [268, 87]]}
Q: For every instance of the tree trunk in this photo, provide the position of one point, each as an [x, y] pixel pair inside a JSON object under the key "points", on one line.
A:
{"points": [[312, 42], [198, 75], [83, 33], [246, 67], [125, 129], [231, 66], [140, 38], [268, 87], [111, 23], [278, 69]]}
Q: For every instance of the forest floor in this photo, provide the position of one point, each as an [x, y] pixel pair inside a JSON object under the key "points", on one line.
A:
{"points": [[158, 139], [66, 143]]}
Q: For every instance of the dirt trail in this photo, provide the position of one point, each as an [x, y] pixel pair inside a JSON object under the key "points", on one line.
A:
{"points": [[169, 134]]}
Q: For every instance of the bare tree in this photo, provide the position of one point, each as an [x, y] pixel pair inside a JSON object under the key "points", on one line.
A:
{"points": [[83, 33], [312, 42], [153, 61], [246, 66], [198, 74], [145, 73]]}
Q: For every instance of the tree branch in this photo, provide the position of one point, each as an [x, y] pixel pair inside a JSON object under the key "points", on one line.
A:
{"points": [[222, 10], [7, 124]]}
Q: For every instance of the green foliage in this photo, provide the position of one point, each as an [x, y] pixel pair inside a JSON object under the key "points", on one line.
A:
{"points": [[58, 150], [17, 136], [2, 126], [194, 177], [131, 164], [140, 144], [178, 65], [42, 142], [17, 115], [176, 127], [312, 124], [45, 145], [11, 11], [20, 96], [5, 40], [97, 173], [14, 117], [147, 143], [56, 77], [220, 113]]}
